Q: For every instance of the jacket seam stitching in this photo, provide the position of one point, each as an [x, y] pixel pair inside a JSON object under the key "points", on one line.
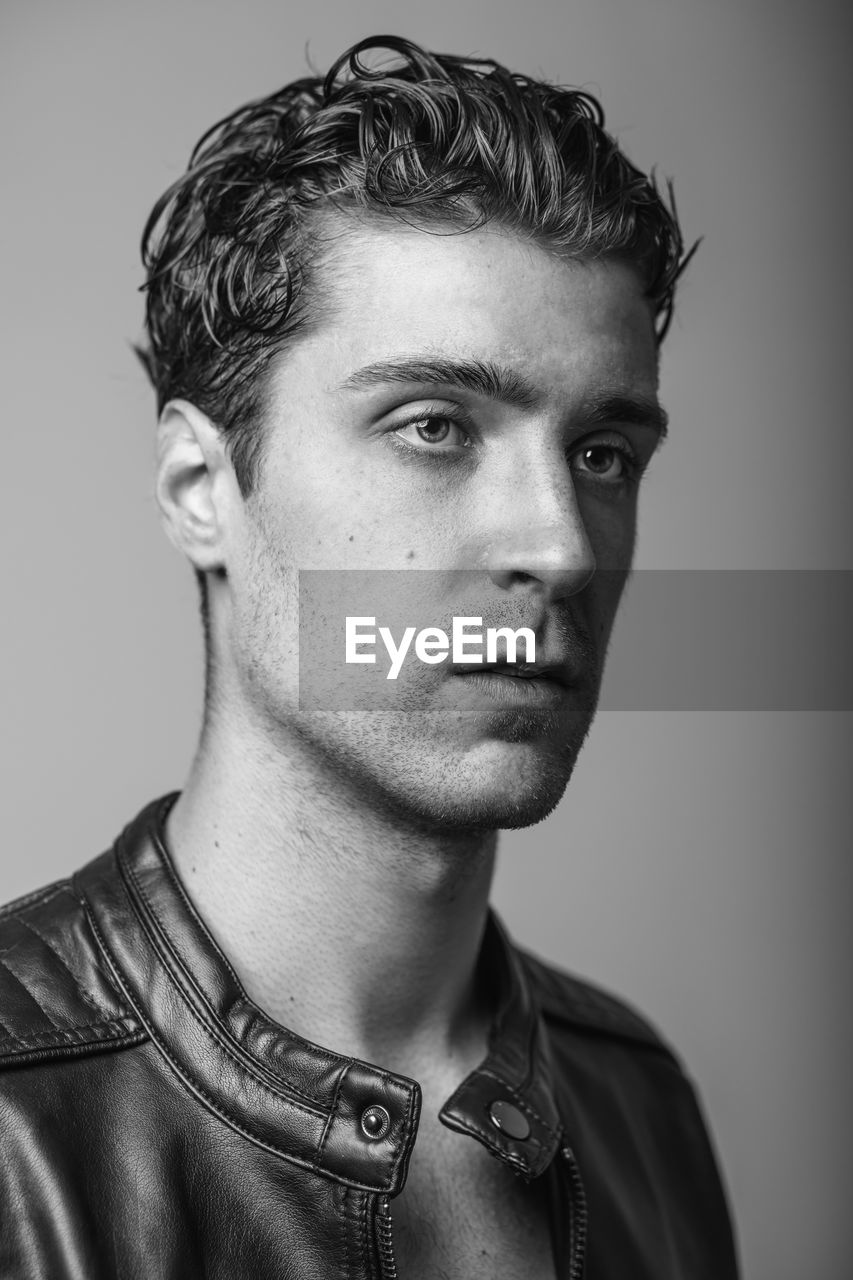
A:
{"points": [[176, 884], [522, 1103], [188, 1079], [396, 1148], [214, 1035], [364, 1235], [335, 1099], [474, 1126], [216, 1107], [89, 999], [279, 1096], [29, 993], [68, 1033], [345, 1269], [35, 1056], [69, 1037], [37, 898], [245, 998], [354, 1240], [361, 1229]]}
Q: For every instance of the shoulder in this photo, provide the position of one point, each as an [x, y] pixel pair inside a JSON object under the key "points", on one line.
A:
{"points": [[635, 1118], [56, 997], [573, 1003]]}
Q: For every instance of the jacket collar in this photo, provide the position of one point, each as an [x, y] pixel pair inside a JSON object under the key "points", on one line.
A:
{"points": [[295, 1098]]}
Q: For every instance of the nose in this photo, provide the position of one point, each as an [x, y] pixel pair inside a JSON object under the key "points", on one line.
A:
{"points": [[540, 539]]}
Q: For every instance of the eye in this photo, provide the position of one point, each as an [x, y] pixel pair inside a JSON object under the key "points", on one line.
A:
{"points": [[609, 463], [434, 430]]}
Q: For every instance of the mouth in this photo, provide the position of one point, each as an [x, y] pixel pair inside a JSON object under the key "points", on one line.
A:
{"points": [[560, 673], [519, 683]]}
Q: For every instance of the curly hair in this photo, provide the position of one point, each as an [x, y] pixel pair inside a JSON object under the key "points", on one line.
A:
{"points": [[432, 140]]}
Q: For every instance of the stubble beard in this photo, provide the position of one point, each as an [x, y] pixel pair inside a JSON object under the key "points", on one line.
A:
{"points": [[407, 769], [417, 766]]}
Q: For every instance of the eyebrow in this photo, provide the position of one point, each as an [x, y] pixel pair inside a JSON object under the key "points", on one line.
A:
{"points": [[633, 410], [485, 378]]}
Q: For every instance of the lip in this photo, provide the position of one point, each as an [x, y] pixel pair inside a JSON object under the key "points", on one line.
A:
{"points": [[531, 687], [553, 668]]}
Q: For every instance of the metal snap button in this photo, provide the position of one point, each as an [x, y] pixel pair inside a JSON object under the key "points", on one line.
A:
{"points": [[509, 1120], [375, 1122]]}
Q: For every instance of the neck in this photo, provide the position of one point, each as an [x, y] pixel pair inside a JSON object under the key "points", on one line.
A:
{"points": [[346, 923]]}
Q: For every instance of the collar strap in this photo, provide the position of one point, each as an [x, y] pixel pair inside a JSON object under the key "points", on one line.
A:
{"points": [[338, 1116]]}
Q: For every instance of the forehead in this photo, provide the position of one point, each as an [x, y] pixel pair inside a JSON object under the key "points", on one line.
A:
{"points": [[386, 289]]}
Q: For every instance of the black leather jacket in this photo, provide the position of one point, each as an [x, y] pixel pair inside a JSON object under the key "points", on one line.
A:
{"points": [[155, 1123]]}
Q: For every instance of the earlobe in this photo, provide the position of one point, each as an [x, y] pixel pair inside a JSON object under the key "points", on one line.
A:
{"points": [[192, 486]]}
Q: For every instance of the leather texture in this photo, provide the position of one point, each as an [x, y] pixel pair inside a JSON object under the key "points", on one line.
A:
{"points": [[155, 1123]]}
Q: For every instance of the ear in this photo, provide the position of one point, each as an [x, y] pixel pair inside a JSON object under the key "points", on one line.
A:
{"points": [[195, 484]]}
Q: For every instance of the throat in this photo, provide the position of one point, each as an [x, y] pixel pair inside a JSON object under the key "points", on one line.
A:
{"points": [[350, 931], [466, 1215]]}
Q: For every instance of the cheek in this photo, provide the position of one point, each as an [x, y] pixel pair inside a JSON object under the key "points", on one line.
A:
{"points": [[611, 528], [327, 503], [263, 620], [267, 598]]}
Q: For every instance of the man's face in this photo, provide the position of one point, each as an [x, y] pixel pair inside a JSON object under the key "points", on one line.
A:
{"points": [[388, 449]]}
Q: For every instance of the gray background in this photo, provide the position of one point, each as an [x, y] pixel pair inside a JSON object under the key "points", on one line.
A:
{"points": [[696, 864]]}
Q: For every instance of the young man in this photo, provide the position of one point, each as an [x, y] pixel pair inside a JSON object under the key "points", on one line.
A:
{"points": [[404, 327]]}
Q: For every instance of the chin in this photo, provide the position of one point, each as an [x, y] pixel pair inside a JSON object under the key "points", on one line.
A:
{"points": [[510, 812], [517, 785], [500, 786], [431, 775]]}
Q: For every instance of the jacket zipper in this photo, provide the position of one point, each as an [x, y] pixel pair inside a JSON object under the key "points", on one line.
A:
{"points": [[578, 1218], [577, 1208], [385, 1241]]}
